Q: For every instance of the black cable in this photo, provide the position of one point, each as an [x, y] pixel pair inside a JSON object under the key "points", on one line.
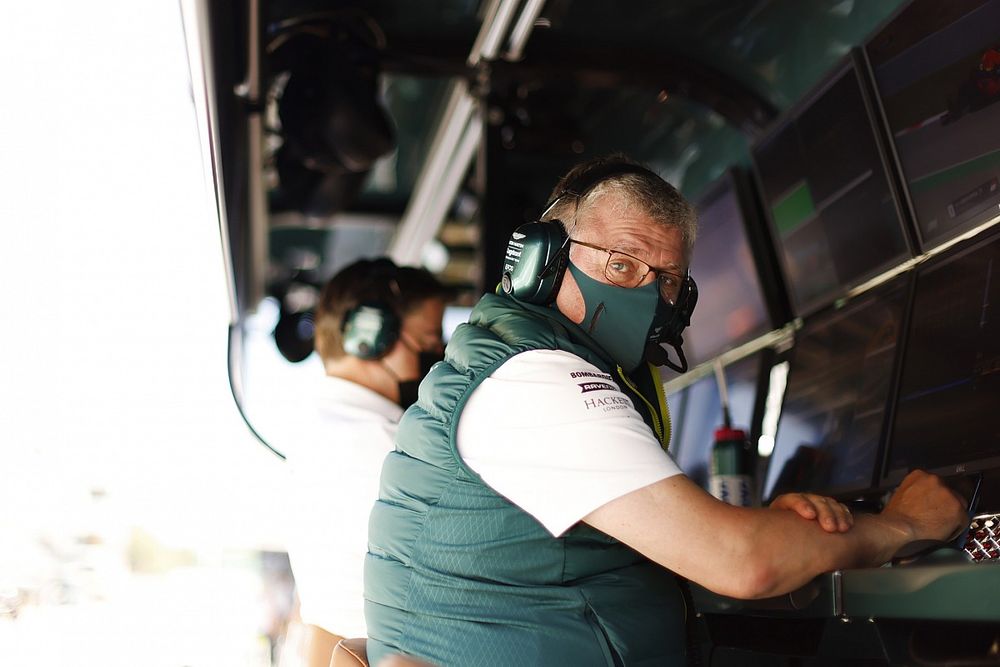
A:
{"points": [[690, 630], [236, 399]]}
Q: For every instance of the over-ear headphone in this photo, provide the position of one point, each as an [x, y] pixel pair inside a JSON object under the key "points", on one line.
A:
{"points": [[535, 262], [677, 319], [371, 328], [538, 252], [687, 299]]}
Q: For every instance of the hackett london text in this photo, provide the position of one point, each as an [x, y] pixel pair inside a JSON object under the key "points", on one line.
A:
{"points": [[611, 402]]}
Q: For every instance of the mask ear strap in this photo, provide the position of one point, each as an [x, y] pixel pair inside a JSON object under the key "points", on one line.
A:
{"points": [[680, 355], [407, 345], [656, 355], [389, 370]]}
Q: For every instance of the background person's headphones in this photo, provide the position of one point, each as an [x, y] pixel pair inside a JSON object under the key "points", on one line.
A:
{"points": [[538, 252], [371, 328]]}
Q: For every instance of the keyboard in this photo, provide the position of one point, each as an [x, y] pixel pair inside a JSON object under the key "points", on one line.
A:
{"points": [[983, 541]]}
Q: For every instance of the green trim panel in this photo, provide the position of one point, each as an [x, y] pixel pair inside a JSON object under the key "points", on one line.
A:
{"points": [[953, 592]]}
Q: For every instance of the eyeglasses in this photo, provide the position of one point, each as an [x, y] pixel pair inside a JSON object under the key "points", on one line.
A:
{"points": [[624, 270]]}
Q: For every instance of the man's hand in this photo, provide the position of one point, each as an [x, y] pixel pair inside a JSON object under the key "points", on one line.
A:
{"points": [[832, 516], [925, 509]]}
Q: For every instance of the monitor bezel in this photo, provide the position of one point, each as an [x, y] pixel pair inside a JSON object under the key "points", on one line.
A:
{"points": [[769, 278]]}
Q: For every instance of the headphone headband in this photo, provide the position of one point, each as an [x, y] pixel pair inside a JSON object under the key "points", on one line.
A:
{"points": [[586, 181]]}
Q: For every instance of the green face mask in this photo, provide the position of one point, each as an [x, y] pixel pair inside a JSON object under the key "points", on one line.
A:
{"points": [[621, 320]]}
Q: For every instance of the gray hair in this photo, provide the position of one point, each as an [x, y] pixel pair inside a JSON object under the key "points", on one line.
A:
{"points": [[648, 193]]}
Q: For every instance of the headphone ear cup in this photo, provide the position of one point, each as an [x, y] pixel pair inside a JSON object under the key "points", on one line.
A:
{"points": [[370, 330], [680, 317], [535, 262]]}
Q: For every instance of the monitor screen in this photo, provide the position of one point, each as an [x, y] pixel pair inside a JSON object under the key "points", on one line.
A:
{"points": [[731, 306], [824, 185], [949, 392], [937, 70], [701, 414], [834, 412]]}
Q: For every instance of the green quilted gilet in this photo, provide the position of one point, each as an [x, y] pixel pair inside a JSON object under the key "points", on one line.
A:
{"points": [[459, 576]]}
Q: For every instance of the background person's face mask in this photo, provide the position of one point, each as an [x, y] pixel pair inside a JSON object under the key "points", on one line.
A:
{"points": [[408, 388], [622, 320]]}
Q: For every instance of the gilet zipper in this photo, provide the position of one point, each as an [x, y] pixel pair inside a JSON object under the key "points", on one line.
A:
{"points": [[662, 434]]}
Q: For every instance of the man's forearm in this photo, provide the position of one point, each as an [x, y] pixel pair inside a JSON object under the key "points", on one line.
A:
{"points": [[790, 551], [752, 553]]}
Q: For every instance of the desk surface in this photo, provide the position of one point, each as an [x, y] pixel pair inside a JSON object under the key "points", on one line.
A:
{"points": [[934, 589]]}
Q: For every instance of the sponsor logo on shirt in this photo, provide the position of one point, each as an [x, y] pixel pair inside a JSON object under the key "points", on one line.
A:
{"points": [[589, 374], [596, 386], [607, 404]]}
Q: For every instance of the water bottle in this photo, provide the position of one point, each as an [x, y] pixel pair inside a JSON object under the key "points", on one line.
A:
{"points": [[730, 479]]}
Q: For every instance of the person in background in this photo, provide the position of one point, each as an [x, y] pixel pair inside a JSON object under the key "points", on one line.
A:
{"points": [[531, 514], [378, 331]]}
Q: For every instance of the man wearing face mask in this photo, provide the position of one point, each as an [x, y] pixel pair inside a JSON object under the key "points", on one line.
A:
{"points": [[377, 332], [531, 514]]}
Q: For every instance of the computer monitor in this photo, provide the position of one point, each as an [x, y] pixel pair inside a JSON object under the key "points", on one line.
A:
{"points": [[936, 67], [732, 306], [825, 186], [701, 414], [834, 414], [949, 390]]}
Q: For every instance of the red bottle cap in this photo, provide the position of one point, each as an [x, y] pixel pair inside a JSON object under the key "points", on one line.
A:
{"points": [[723, 433]]}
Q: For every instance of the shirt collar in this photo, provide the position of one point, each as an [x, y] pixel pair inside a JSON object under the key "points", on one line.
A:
{"points": [[353, 397]]}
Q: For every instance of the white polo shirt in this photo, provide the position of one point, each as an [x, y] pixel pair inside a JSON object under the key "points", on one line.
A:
{"points": [[558, 438], [335, 468]]}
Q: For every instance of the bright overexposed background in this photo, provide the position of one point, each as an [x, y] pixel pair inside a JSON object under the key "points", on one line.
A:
{"points": [[134, 505]]}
